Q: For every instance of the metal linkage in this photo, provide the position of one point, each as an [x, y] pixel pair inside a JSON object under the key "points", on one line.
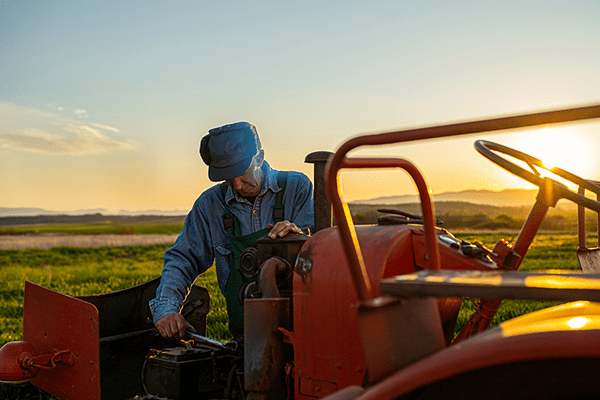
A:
{"points": [[48, 361]]}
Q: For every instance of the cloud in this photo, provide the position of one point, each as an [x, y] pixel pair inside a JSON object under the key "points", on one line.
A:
{"points": [[41, 132], [86, 141], [81, 113], [55, 106], [105, 127]]}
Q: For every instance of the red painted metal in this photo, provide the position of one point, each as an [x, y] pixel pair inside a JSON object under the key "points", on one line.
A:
{"points": [[326, 337], [483, 351], [338, 161], [53, 320], [363, 283], [433, 259], [487, 309], [347, 232], [49, 361], [12, 362], [450, 257], [412, 328]]}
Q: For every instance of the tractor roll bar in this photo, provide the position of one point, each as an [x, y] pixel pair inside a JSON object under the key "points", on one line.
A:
{"points": [[339, 161], [362, 282]]}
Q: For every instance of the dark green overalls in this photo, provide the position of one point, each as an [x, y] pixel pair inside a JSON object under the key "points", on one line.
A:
{"points": [[235, 310]]}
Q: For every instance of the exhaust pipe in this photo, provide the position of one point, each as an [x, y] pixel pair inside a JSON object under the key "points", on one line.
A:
{"points": [[322, 205]]}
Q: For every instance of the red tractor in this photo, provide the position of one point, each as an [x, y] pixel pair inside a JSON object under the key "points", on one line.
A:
{"points": [[366, 312]]}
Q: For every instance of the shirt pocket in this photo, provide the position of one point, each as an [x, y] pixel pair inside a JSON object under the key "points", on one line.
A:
{"points": [[223, 251]]}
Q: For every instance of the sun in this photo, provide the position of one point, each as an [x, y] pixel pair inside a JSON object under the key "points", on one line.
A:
{"points": [[562, 147]]}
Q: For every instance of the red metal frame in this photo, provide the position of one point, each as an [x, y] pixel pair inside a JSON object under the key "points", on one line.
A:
{"points": [[327, 344], [348, 233], [479, 353], [52, 320], [487, 309], [339, 161], [476, 353]]}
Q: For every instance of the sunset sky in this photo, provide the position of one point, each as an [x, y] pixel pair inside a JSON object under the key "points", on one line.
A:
{"points": [[103, 104]]}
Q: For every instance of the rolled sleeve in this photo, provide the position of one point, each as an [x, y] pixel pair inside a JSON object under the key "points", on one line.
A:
{"points": [[191, 255]]}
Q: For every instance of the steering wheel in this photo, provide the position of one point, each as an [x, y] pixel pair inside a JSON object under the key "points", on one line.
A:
{"points": [[487, 149]]}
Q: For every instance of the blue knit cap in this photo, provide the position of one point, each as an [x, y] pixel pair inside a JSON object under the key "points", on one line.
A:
{"points": [[229, 149]]}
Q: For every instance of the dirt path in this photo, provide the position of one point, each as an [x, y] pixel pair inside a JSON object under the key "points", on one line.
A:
{"points": [[46, 241]]}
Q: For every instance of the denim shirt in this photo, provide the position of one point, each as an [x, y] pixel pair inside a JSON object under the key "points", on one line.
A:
{"points": [[204, 239]]}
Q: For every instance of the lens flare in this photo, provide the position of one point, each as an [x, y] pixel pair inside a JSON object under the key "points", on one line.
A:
{"points": [[577, 323], [565, 147]]}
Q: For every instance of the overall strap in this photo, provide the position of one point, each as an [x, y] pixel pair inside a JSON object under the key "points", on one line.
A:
{"points": [[229, 220], [278, 207], [232, 224]]}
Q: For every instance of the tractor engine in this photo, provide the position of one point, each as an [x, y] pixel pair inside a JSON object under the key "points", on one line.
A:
{"points": [[204, 368]]}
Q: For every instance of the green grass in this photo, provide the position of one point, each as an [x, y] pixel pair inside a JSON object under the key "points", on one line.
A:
{"points": [[100, 229], [70, 270], [548, 251], [23, 391], [78, 271]]}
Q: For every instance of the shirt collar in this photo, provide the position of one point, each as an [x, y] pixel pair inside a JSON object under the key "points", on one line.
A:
{"points": [[269, 183]]}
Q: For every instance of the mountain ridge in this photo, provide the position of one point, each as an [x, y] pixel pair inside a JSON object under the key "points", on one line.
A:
{"points": [[505, 197], [33, 211]]}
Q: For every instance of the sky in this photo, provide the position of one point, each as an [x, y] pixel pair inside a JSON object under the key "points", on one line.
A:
{"points": [[103, 104]]}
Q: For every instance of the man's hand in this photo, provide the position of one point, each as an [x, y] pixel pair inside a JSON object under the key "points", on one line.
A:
{"points": [[282, 228], [173, 326]]}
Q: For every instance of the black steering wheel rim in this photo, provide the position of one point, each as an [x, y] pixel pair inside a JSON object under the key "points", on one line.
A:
{"points": [[487, 149]]}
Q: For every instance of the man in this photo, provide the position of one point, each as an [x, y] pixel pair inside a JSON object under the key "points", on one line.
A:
{"points": [[254, 200]]}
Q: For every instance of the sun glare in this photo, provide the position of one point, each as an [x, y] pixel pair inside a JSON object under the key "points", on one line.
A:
{"points": [[564, 148]]}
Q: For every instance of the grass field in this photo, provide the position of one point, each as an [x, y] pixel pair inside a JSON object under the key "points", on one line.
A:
{"points": [[79, 271], [106, 227]]}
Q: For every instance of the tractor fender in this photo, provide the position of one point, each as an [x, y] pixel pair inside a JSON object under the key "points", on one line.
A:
{"points": [[568, 331]]}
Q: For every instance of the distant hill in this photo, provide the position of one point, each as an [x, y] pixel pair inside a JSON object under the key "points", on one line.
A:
{"points": [[466, 215], [468, 209], [502, 198], [92, 219], [32, 212]]}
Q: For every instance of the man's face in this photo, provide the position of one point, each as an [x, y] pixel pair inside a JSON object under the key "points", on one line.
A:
{"points": [[250, 183]]}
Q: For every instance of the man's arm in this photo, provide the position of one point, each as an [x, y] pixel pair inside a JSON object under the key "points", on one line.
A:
{"points": [[173, 326], [188, 258]]}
